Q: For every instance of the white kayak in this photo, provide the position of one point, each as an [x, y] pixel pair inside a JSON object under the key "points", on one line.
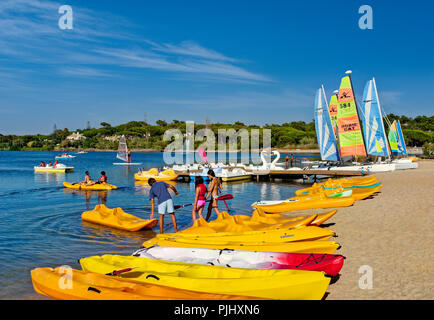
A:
{"points": [[329, 263]]}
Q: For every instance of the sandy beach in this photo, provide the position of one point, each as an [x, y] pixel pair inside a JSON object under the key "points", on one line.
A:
{"points": [[392, 233]]}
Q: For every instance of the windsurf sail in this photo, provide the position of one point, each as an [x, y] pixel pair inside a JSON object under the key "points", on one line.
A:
{"points": [[122, 149], [349, 131], [324, 129], [373, 126], [401, 142], [333, 111]]}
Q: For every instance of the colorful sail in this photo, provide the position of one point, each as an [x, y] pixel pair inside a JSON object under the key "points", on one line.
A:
{"points": [[122, 149], [373, 126], [393, 138], [401, 142], [333, 111], [324, 129], [349, 131]]}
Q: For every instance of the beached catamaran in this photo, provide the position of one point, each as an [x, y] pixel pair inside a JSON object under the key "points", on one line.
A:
{"points": [[350, 140], [324, 128], [123, 154]]}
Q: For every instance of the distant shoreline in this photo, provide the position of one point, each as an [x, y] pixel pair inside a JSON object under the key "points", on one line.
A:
{"points": [[281, 150]]}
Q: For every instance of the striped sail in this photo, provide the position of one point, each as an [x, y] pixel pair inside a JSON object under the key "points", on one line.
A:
{"points": [[324, 130], [349, 131], [393, 138], [402, 149], [373, 126], [333, 111]]}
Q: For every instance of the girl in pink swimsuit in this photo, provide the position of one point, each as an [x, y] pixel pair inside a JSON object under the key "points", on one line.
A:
{"points": [[199, 200]]}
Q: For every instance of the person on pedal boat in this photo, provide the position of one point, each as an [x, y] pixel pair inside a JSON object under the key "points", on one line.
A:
{"points": [[49, 164], [55, 163], [42, 164], [213, 191], [103, 178], [87, 179], [160, 190], [199, 200]]}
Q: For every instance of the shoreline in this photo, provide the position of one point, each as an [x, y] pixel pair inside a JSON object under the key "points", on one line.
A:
{"points": [[281, 150]]}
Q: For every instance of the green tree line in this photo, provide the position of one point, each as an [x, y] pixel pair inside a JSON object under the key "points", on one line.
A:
{"points": [[417, 131]]}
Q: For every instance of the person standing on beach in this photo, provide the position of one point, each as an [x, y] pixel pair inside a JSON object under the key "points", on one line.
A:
{"points": [[160, 191], [286, 162], [213, 191], [129, 156], [292, 160]]}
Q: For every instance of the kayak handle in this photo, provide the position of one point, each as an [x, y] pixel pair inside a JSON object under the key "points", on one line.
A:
{"points": [[152, 276], [93, 289]]}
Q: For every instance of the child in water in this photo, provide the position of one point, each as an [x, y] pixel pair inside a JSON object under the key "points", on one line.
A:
{"points": [[199, 200]]}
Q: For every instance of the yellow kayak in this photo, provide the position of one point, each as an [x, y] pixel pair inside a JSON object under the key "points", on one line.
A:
{"points": [[98, 186], [260, 216], [263, 283], [318, 246], [345, 183], [117, 218], [301, 203], [227, 223], [94, 286], [254, 237], [356, 193], [166, 175]]}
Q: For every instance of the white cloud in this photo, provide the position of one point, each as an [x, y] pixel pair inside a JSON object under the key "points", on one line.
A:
{"points": [[29, 33]]}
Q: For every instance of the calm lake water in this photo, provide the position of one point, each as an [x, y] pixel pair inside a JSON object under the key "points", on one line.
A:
{"points": [[40, 220]]}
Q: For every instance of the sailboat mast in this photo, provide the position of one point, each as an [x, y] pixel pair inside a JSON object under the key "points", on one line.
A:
{"points": [[381, 117]]}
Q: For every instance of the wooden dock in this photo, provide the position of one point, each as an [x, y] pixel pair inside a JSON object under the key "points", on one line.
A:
{"points": [[286, 174]]}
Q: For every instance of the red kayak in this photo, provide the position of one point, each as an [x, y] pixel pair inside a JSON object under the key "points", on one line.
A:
{"points": [[331, 264]]}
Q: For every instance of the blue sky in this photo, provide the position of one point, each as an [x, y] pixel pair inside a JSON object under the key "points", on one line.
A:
{"points": [[251, 61]]}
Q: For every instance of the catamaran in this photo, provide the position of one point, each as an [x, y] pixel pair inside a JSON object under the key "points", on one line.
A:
{"points": [[341, 117], [123, 154]]}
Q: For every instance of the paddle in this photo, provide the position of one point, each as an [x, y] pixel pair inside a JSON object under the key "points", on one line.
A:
{"points": [[221, 198]]}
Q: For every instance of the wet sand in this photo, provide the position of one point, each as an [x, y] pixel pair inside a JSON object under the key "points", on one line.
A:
{"points": [[393, 234]]}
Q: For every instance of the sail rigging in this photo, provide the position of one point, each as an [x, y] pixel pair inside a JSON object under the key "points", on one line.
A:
{"points": [[349, 129], [122, 149], [373, 126], [324, 129]]}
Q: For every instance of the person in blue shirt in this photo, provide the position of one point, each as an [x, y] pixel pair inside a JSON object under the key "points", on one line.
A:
{"points": [[160, 191]]}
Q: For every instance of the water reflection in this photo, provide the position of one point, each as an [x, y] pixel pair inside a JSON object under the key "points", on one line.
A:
{"points": [[100, 195], [49, 177]]}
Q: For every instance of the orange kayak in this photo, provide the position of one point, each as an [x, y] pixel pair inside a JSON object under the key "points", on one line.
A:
{"points": [[70, 284]]}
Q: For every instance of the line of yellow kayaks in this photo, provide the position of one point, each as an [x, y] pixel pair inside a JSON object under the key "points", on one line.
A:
{"points": [[137, 277], [330, 194]]}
